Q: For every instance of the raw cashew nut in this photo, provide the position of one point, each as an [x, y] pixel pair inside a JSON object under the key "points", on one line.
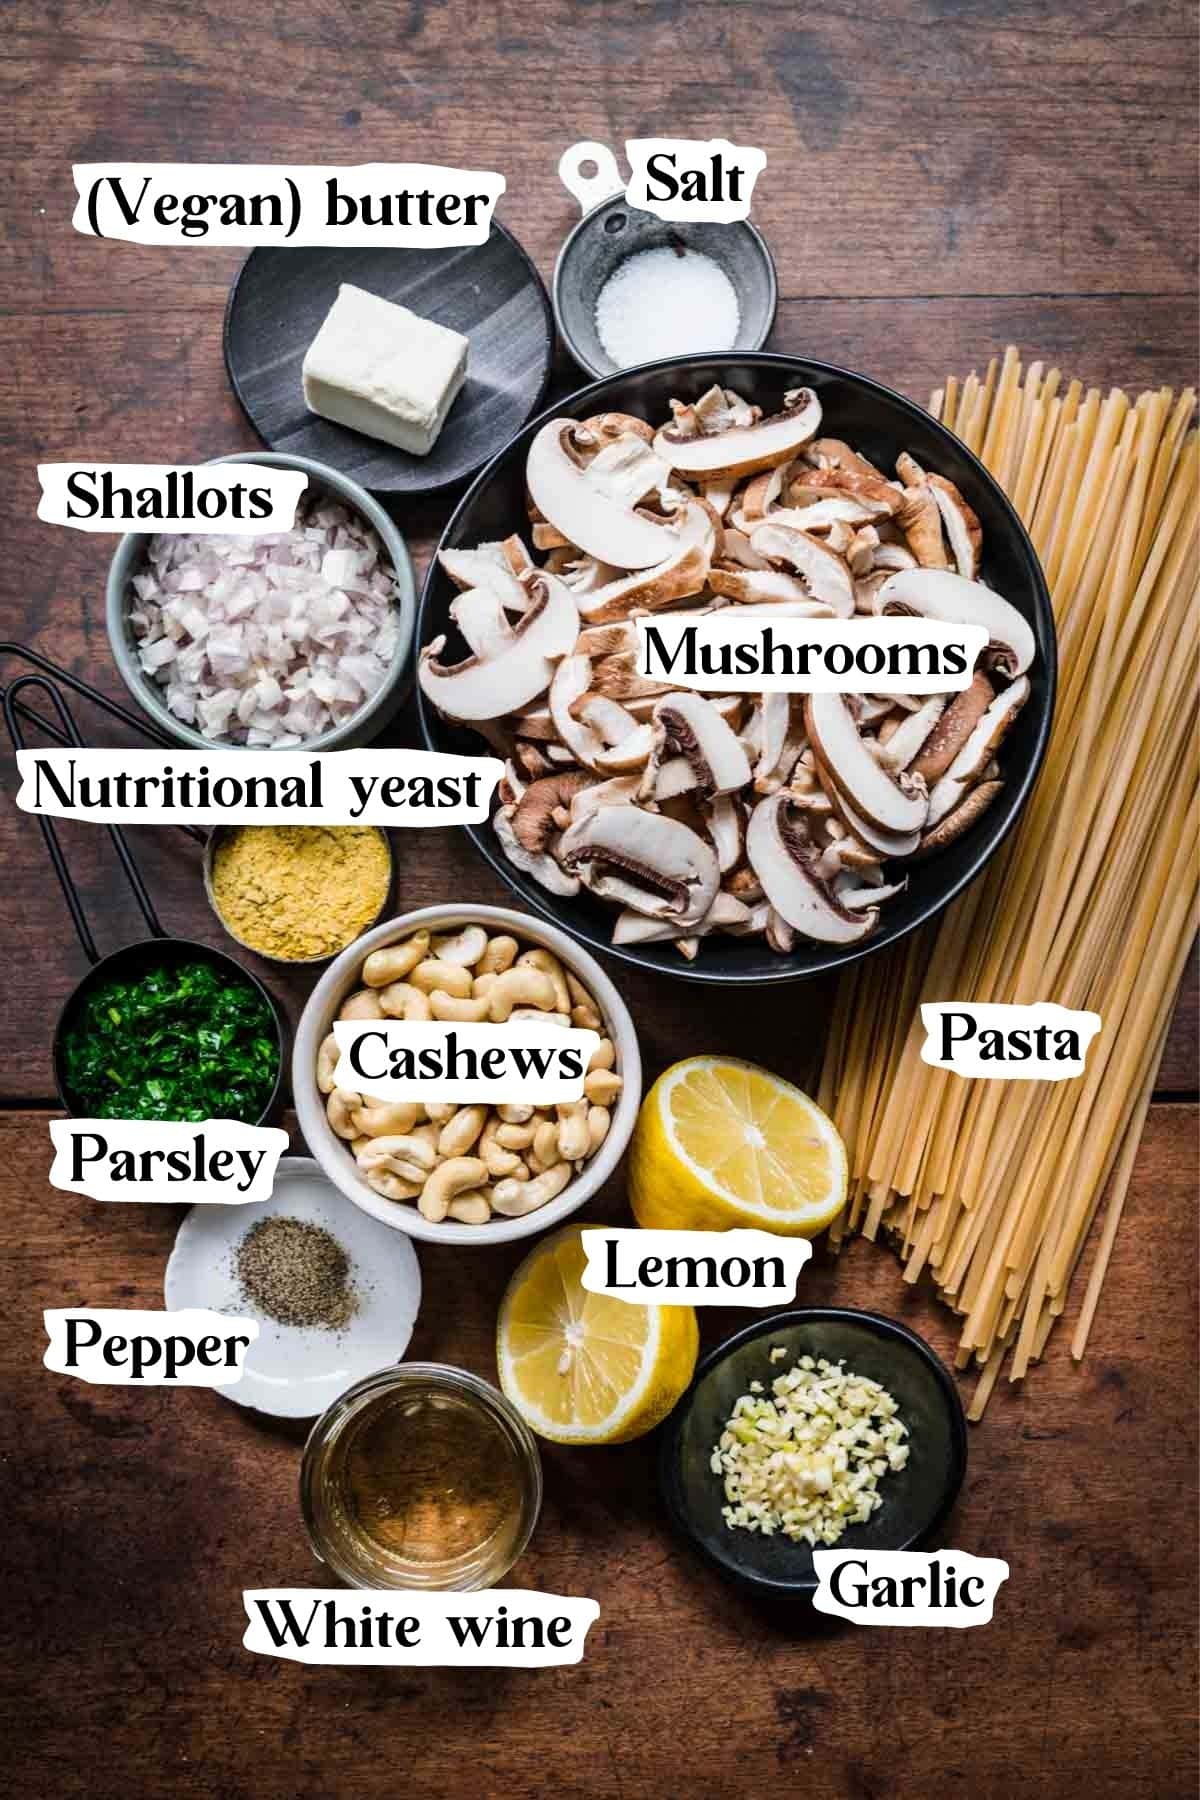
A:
{"points": [[602, 1086], [460, 1132], [465, 946], [500, 954], [515, 1137], [364, 1004], [483, 983], [516, 1198], [410, 1157], [603, 1056], [327, 1062], [383, 967], [449, 1179], [515, 1112], [439, 1111], [543, 1018], [401, 1000], [452, 978], [548, 963], [573, 1131], [545, 1145], [459, 1012], [473, 1208], [520, 987], [381, 1118], [499, 1161], [392, 1187], [586, 1018], [579, 994], [340, 1109], [598, 1121]]}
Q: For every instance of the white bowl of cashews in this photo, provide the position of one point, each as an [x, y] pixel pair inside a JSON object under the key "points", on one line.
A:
{"points": [[463, 1174]]}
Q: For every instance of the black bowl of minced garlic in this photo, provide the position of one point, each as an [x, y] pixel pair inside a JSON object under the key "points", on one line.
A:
{"points": [[297, 893]]}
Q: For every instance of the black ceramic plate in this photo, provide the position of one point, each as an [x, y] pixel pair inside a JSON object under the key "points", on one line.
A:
{"points": [[916, 1499], [490, 292], [881, 424]]}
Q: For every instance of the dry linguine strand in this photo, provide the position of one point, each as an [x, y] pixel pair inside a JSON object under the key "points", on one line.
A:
{"points": [[992, 1188]]}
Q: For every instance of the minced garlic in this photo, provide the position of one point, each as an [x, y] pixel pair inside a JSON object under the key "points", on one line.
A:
{"points": [[808, 1462]]}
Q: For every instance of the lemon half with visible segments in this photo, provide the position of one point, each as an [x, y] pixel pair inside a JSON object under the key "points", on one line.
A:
{"points": [[722, 1143], [583, 1368]]}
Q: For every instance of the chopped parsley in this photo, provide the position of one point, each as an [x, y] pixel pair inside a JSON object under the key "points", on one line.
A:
{"points": [[186, 1041]]}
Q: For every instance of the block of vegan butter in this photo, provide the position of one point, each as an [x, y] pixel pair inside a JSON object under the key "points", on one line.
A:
{"points": [[384, 371]]}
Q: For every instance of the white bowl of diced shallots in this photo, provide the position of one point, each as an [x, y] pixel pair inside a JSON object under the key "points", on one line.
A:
{"points": [[288, 640]]}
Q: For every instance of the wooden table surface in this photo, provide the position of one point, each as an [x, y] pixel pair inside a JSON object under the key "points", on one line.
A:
{"points": [[943, 177]]}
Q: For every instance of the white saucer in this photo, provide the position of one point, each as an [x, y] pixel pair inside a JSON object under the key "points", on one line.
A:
{"points": [[291, 1372]]}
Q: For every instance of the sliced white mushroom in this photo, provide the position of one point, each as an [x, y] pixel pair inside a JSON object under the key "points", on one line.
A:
{"points": [[485, 687], [674, 777], [689, 725], [855, 898], [725, 827], [479, 614], [725, 914], [940, 594], [572, 679], [632, 752], [776, 716], [645, 860], [628, 470], [488, 566], [781, 853], [824, 575], [585, 514], [893, 805], [743, 449]]}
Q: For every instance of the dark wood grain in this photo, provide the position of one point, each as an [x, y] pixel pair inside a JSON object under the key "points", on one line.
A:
{"points": [[944, 176], [134, 1520]]}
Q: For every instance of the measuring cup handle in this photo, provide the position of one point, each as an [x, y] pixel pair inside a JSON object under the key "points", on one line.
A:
{"points": [[590, 190], [69, 732]]}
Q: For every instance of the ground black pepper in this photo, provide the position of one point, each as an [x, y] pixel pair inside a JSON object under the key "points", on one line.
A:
{"points": [[297, 1273]]}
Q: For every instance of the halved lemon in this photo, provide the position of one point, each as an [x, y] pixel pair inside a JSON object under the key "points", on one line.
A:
{"points": [[720, 1143], [582, 1368]]}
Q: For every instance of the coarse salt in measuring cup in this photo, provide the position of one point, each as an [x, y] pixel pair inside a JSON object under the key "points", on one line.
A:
{"points": [[669, 301]]}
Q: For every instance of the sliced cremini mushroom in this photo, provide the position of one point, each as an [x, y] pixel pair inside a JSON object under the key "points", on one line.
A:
{"points": [[921, 523], [645, 860], [972, 807], [971, 763], [679, 576], [484, 687], [532, 819], [875, 497], [832, 453], [940, 594], [782, 854], [901, 746], [963, 530], [561, 487], [767, 587], [894, 804], [479, 614], [743, 449], [963, 712], [544, 869], [824, 575]]}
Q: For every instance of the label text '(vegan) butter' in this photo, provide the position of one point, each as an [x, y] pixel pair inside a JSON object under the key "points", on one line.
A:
{"points": [[382, 370]]}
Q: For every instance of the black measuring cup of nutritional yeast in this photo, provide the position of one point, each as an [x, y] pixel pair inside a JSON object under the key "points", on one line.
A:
{"points": [[158, 950]]}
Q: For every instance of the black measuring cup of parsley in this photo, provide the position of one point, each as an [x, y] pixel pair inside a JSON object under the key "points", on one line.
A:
{"points": [[132, 961]]}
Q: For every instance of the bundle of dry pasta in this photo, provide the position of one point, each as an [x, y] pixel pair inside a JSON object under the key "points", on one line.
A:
{"points": [[994, 1186]]}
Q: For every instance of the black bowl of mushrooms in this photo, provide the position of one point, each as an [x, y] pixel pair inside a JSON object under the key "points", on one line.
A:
{"points": [[734, 837]]}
